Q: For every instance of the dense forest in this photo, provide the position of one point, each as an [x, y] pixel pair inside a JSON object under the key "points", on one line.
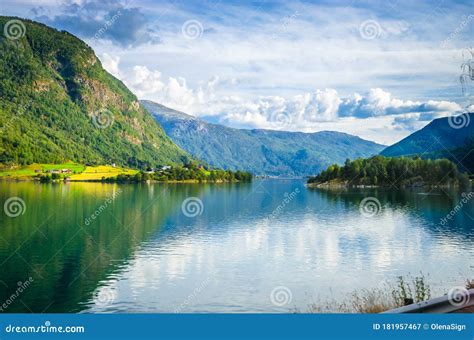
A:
{"points": [[393, 172], [463, 156]]}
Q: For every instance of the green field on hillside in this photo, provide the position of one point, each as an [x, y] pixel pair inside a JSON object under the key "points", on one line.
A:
{"points": [[74, 171]]}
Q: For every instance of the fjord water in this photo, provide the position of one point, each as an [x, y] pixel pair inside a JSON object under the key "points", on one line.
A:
{"points": [[141, 253]]}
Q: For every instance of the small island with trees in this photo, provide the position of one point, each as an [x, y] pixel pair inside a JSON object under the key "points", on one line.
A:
{"points": [[379, 171]]}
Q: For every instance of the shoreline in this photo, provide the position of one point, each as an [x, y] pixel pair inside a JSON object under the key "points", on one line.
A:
{"points": [[338, 185], [75, 172], [187, 181]]}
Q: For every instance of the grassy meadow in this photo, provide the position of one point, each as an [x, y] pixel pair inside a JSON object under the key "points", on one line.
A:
{"points": [[76, 171]]}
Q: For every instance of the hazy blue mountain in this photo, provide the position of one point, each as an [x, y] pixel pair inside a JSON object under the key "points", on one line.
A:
{"points": [[440, 139], [276, 153]]}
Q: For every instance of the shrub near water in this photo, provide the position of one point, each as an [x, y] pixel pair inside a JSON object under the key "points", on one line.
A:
{"points": [[405, 290]]}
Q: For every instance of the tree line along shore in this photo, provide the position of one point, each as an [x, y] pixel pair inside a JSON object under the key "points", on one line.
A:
{"points": [[399, 172]]}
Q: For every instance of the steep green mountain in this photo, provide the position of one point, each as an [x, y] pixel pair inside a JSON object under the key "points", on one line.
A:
{"points": [[442, 138], [57, 103], [267, 152]]}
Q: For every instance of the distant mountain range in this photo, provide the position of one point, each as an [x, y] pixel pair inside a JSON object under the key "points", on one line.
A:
{"points": [[263, 152], [451, 138], [57, 103]]}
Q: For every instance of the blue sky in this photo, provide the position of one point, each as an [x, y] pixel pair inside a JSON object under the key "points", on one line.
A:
{"points": [[378, 70]]}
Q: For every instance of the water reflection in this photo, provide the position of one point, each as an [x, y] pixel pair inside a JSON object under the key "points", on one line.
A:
{"points": [[142, 254]]}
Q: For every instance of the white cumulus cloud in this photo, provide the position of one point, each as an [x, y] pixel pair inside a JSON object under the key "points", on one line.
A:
{"points": [[370, 115]]}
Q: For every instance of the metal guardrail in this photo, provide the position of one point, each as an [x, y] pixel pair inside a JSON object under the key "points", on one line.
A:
{"points": [[439, 305]]}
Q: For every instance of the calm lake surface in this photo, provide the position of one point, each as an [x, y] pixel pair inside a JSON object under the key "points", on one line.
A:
{"points": [[95, 247]]}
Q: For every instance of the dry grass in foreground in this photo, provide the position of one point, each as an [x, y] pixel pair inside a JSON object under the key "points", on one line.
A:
{"points": [[393, 295]]}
